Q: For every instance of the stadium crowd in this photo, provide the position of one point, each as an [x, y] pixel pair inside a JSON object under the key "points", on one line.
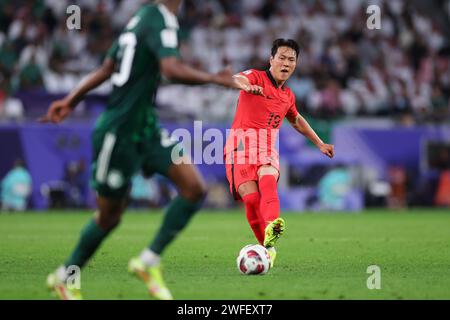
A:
{"points": [[345, 69]]}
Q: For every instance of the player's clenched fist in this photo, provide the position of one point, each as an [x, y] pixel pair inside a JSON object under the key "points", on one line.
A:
{"points": [[254, 89], [327, 149], [57, 112]]}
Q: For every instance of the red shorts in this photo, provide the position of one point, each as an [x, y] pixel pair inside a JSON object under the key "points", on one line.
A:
{"points": [[241, 169]]}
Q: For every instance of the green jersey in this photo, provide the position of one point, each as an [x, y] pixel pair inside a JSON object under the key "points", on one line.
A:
{"points": [[151, 34]]}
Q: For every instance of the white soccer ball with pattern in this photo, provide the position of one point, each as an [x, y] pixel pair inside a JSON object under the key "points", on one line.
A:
{"points": [[253, 259]]}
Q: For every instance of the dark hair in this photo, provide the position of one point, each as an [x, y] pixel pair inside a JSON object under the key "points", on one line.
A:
{"points": [[285, 43]]}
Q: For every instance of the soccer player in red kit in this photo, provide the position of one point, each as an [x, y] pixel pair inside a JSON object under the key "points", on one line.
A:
{"points": [[251, 159]]}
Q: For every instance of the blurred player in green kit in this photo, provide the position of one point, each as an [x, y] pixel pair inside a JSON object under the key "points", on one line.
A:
{"points": [[127, 139]]}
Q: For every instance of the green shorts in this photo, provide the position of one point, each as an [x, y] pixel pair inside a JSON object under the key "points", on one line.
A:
{"points": [[117, 159]]}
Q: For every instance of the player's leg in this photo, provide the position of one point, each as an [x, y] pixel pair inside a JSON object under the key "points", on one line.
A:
{"points": [[270, 206], [105, 219], [242, 177], [115, 161], [267, 182], [192, 191], [250, 196]]}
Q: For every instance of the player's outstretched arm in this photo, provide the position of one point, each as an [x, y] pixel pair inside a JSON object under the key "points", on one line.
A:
{"points": [[302, 126], [242, 83], [60, 109], [176, 70]]}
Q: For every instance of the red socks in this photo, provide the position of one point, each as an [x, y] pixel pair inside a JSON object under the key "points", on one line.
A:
{"points": [[252, 202], [270, 204], [264, 208]]}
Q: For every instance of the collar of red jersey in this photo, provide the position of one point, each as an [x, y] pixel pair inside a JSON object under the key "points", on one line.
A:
{"points": [[272, 79]]}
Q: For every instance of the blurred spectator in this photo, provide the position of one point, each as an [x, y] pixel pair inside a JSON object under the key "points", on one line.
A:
{"points": [[55, 194], [71, 191], [334, 188], [440, 106], [11, 109], [442, 197], [145, 192], [30, 76], [8, 59], [397, 179], [401, 71], [16, 187], [218, 196], [76, 186]]}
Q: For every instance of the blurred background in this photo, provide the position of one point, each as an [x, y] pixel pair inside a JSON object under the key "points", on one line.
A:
{"points": [[382, 96]]}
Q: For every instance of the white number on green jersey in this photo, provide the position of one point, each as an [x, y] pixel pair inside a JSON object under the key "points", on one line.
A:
{"points": [[127, 43]]}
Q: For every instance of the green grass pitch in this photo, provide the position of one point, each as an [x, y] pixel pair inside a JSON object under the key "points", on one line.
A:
{"points": [[321, 256]]}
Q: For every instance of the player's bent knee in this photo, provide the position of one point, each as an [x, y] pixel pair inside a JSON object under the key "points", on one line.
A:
{"points": [[108, 220], [247, 188], [268, 170], [194, 192], [109, 224], [113, 224]]}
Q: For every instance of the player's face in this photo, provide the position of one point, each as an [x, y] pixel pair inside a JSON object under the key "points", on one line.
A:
{"points": [[283, 63]]}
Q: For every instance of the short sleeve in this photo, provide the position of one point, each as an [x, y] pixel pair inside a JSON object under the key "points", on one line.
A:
{"points": [[252, 76], [292, 112], [162, 35]]}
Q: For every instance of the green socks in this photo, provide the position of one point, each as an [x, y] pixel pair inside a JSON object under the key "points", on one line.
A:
{"points": [[91, 237], [176, 218]]}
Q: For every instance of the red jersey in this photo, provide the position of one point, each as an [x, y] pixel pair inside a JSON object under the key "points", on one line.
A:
{"points": [[260, 116]]}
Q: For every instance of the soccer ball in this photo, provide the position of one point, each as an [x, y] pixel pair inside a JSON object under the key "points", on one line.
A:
{"points": [[253, 259]]}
